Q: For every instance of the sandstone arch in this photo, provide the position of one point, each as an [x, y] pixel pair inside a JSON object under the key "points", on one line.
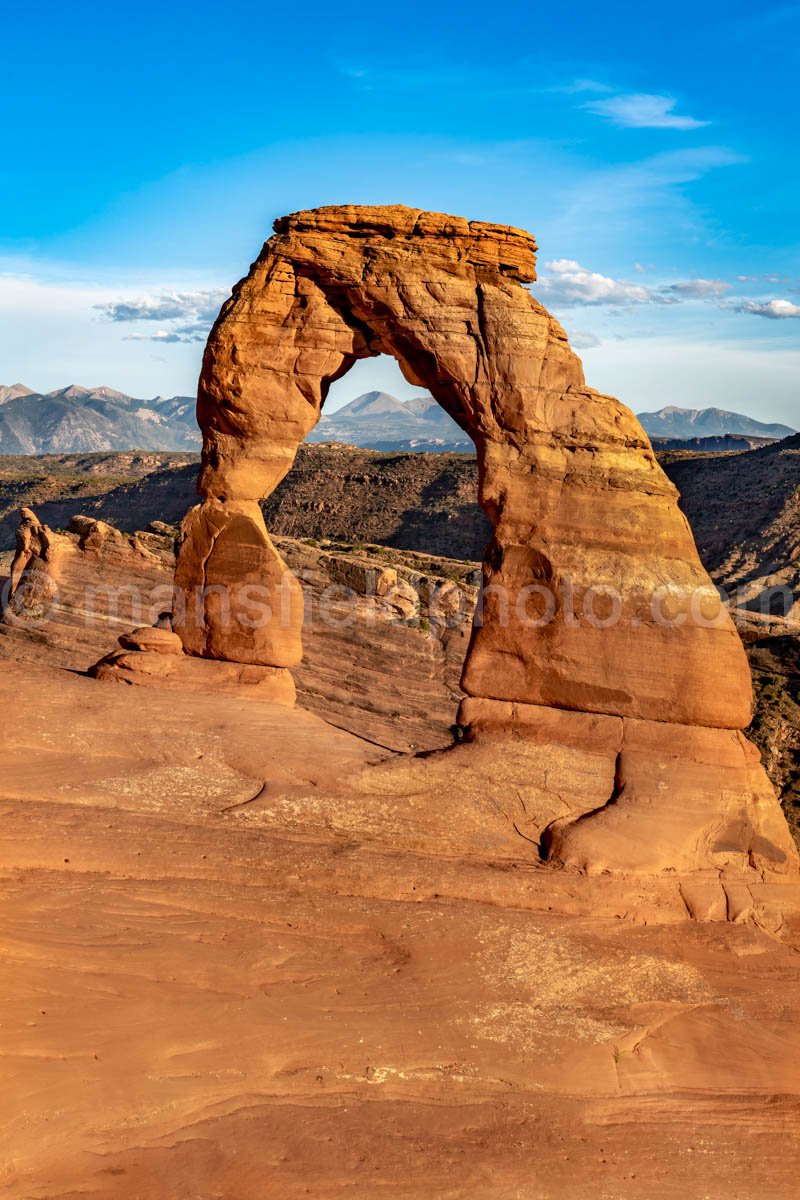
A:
{"points": [[579, 507]]}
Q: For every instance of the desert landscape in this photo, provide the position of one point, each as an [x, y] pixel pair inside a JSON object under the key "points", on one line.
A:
{"points": [[400, 602], [394, 823]]}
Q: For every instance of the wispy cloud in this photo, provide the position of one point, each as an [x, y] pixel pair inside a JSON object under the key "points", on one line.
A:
{"points": [[583, 341], [775, 310], [697, 289], [640, 200], [568, 284], [678, 166], [764, 20], [582, 85], [179, 334], [772, 278], [643, 110], [188, 315], [388, 77]]}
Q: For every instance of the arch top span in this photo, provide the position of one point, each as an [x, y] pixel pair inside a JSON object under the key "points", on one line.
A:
{"points": [[443, 295], [595, 603], [500, 248]]}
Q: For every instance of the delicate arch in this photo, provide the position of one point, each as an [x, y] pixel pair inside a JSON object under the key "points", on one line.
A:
{"points": [[638, 678], [578, 504]]}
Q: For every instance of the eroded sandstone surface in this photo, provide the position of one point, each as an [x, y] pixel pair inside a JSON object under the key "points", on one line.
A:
{"points": [[384, 640], [246, 954]]}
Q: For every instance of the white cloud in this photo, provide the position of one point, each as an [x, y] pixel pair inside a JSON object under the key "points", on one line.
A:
{"points": [[697, 289], [569, 284], [583, 85], [772, 278], [81, 349], [191, 314], [776, 310], [182, 333], [166, 307], [641, 110]]}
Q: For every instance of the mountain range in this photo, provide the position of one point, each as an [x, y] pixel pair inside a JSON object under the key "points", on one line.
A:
{"points": [[379, 421], [76, 419], [685, 423]]}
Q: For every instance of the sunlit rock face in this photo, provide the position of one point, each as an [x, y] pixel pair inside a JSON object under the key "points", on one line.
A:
{"points": [[595, 600]]}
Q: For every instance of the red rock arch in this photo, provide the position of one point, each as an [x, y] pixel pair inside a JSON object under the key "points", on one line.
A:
{"points": [[579, 506], [567, 476]]}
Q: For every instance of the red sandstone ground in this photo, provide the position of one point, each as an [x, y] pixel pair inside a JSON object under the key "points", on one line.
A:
{"points": [[205, 996]]}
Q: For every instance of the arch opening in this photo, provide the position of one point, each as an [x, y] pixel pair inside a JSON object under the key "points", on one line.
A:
{"points": [[386, 544], [373, 406]]}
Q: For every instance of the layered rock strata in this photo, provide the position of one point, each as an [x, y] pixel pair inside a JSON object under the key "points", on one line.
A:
{"points": [[70, 594], [384, 640]]}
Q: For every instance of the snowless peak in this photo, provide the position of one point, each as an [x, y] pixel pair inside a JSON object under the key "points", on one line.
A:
{"points": [[77, 391], [13, 390], [420, 405], [372, 404], [73, 392], [108, 393]]}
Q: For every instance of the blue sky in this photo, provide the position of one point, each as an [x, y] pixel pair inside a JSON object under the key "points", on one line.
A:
{"points": [[652, 151]]}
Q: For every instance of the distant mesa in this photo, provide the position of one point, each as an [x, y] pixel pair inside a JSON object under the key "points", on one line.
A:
{"points": [[729, 443]]}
